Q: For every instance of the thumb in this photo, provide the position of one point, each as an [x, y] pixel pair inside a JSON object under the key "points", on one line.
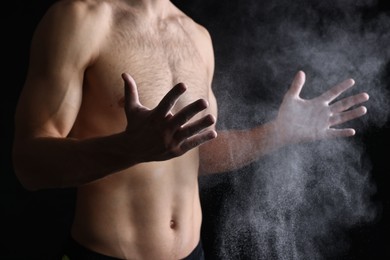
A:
{"points": [[297, 84], [131, 92]]}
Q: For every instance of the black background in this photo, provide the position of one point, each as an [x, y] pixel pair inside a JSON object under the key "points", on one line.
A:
{"points": [[34, 225]]}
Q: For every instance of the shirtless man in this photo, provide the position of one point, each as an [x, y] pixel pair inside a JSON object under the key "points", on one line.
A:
{"points": [[118, 103]]}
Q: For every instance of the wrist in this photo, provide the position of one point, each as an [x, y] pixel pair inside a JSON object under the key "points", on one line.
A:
{"points": [[279, 134]]}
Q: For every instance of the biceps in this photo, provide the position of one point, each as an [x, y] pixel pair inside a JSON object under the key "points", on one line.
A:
{"points": [[48, 106]]}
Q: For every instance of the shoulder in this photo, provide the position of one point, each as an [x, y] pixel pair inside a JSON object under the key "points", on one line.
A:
{"points": [[77, 6], [205, 46], [206, 50], [77, 11], [201, 37], [194, 28], [75, 18], [73, 28]]}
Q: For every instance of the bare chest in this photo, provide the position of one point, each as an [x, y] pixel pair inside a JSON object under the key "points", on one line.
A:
{"points": [[157, 60]]}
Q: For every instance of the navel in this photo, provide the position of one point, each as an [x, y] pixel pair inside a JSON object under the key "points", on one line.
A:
{"points": [[172, 224]]}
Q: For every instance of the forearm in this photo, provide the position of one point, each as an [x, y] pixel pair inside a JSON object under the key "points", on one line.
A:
{"points": [[233, 149], [48, 162]]}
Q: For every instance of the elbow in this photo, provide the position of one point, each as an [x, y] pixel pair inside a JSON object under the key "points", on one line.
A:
{"points": [[32, 176], [23, 173], [25, 179], [26, 182]]}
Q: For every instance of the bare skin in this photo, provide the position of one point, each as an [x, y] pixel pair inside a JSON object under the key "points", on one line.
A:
{"points": [[118, 103]]}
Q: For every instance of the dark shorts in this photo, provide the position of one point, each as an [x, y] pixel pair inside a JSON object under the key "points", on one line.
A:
{"points": [[75, 251]]}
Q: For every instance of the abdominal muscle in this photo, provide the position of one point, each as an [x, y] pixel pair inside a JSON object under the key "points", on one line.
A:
{"points": [[149, 211]]}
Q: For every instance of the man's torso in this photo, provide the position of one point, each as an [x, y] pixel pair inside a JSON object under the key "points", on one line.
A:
{"points": [[151, 210]]}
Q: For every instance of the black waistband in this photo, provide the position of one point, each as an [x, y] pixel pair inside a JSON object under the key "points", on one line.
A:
{"points": [[76, 251], [196, 254]]}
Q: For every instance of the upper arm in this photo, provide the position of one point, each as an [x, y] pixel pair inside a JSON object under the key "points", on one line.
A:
{"points": [[207, 52], [64, 44], [206, 49]]}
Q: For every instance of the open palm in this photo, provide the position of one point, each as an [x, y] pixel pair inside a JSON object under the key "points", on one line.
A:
{"points": [[312, 119]]}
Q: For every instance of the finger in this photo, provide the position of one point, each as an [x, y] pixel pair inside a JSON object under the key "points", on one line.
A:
{"points": [[347, 116], [348, 102], [197, 140], [297, 84], [335, 91], [131, 92], [333, 133], [194, 128], [184, 115], [170, 99]]}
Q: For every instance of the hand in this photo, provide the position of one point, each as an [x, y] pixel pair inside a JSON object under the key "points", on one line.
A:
{"points": [[157, 133], [307, 120]]}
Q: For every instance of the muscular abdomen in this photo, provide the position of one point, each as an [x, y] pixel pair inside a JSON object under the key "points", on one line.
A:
{"points": [[146, 212]]}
